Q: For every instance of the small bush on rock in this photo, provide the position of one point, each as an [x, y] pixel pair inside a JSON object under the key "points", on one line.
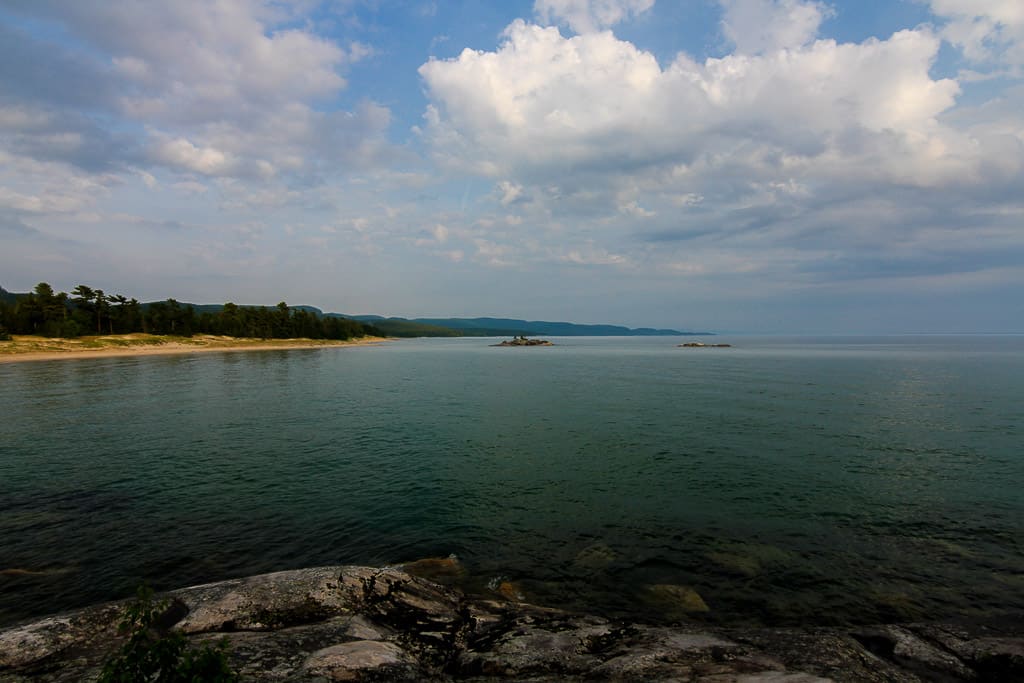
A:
{"points": [[160, 655]]}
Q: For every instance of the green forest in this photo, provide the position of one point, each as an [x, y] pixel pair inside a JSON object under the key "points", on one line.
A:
{"points": [[88, 311]]}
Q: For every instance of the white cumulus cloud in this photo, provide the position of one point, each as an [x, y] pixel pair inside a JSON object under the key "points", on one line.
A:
{"points": [[542, 103], [588, 16], [799, 158], [757, 26], [182, 154], [986, 30]]}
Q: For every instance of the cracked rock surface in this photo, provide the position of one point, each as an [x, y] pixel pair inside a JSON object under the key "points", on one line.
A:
{"points": [[370, 624]]}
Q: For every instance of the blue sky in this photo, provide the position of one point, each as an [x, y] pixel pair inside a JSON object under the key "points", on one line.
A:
{"points": [[737, 165]]}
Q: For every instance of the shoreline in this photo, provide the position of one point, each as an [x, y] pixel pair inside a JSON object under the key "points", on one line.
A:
{"points": [[388, 623], [138, 345]]}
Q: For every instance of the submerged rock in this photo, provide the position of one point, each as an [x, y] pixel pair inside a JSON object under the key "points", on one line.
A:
{"points": [[594, 559], [749, 559], [446, 570], [739, 565], [20, 571], [672, 599], [510, 590], [362, 623]]}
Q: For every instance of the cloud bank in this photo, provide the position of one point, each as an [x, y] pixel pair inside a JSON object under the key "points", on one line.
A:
{"points": [[764, 167]]}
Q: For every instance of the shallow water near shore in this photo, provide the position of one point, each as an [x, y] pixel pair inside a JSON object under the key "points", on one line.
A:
{"points": [[785, 480]]}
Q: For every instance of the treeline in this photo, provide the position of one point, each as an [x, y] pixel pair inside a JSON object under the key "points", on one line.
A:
{"points": [[91, 311]]}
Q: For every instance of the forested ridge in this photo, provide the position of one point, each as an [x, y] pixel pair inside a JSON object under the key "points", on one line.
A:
{"points": [[87, 311]]}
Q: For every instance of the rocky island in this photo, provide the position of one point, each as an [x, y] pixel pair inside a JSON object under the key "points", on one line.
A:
{"points": [[523, 341], [702, 345], [349, 623]]}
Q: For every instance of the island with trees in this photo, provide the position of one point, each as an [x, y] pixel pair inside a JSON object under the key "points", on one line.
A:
{"points": [[521, 340]]}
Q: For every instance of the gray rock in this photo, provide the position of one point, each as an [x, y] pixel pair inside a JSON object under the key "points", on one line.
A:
{"points": [[268, 602], [362, 660], [361, 624], [912, 653], [58, 636], [995, 650], [527, 646]]}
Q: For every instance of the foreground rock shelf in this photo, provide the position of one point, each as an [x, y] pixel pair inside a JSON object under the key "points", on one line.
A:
{"points": [[361, 623]]}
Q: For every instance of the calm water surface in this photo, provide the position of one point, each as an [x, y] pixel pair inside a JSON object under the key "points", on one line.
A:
{"points": [[785, 480]]}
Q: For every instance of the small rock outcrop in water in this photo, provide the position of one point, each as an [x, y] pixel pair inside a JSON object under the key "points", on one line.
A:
{"points": [[363, 624], [523, 341], [702, 345]]}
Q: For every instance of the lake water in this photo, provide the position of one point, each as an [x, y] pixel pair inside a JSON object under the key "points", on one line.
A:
{"points": [[785, 480]]}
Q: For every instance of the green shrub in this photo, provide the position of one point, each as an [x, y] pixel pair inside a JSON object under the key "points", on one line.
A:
{"points": [[162, 655], [69, 329], [4, 334]]}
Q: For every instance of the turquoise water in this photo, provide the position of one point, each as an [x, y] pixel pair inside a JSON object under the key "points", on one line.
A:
{"points": [[785, 480]]}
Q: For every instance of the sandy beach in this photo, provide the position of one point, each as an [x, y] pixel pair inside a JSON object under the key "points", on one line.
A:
{"points": [[25, 348]]}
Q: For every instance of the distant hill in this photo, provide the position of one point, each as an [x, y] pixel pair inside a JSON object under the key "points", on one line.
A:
{"points": [[498, 327], [393, 327], [8, 297], [479, 327], [401, 327], [408, 328]]}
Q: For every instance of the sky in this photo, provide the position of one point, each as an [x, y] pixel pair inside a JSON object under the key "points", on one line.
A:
{"points": [[761, 166]]}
